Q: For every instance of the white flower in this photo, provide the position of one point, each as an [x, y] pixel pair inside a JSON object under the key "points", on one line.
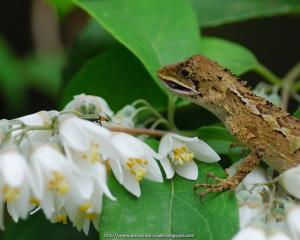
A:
{"points": [[89, 105], [5, 126], [82, 210], [293, 221], [42, 118], [249, 233], [93, 170], [268, 92], [124, 116], [39, 119], [277, 235], [248, 214], [137, 160], [251, 207], [52, 178], [177, 154], [290, 181], [15, 184], [82, 135], [89, 142], [256, 176]]}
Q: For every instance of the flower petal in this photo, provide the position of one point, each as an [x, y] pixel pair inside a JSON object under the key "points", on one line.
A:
{"points": [[278, 236], [290, 180], [127, 146], [153, 171], [257, 175], [203, 151], [165, 145], [116, 168], [250, 233], [188, 170], [131, 184], [168, 168], [36, 119], [102, 180], [73, 134], [13, 167]]}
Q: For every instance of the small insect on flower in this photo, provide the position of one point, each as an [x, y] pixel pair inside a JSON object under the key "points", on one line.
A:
{"points": [[89, 105], [103, 118]]}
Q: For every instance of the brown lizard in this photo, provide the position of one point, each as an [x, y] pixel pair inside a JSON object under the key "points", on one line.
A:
{"points": [[272, 134]]}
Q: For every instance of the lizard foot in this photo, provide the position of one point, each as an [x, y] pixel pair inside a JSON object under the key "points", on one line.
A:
{"points": [[220, 185]]}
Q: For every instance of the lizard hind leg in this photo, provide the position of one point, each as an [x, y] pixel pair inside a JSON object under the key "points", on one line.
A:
{"points": [[248, 163]]}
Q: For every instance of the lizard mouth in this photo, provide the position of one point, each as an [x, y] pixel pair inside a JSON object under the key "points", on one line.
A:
{"points": [[176, 87]]}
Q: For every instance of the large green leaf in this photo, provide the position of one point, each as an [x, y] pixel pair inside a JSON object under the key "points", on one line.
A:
{"points": [[171, 208], [117, 76], [157, 32], [216, 12], [228, 54], [219, 138]]}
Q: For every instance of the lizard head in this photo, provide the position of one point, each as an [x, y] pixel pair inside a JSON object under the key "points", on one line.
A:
{"points": [[196, 77]]}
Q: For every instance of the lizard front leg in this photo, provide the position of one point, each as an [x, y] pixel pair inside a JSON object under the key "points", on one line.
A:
{"points": [[248, 163]]}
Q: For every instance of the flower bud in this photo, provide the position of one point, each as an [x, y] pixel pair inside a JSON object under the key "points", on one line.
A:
{"points": [[290, 181]]}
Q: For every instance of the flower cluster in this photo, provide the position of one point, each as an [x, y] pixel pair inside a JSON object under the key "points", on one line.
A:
{"points": [[266, 211], [58, 162]]}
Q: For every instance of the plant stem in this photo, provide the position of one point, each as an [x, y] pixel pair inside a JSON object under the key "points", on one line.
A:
{"points": [[288, 80], [138, 131], [145, 103], [171, 112], [296, 71], [267, 74], [160, 122]]}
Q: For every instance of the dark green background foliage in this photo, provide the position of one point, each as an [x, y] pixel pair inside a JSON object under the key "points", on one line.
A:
{"points": [[116, 55]]}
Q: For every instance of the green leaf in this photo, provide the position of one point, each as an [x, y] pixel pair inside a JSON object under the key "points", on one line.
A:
{"points": [[297, 113], [11, 81], [90, 42], [219, 138], [217, 12], [228, 54], [36, 227], [171, 208], [117, 76], [157, 32], [43, 72], [63, 7]]}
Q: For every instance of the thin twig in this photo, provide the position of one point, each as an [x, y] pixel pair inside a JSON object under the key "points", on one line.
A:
{"points": [[138, 131], [288, 80], [267, 74]]}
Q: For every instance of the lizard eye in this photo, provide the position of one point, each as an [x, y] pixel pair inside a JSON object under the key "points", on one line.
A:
{"points": [[185, 72]]}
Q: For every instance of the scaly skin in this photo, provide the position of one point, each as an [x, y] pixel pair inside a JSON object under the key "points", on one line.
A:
{"points": [[272, 134]]}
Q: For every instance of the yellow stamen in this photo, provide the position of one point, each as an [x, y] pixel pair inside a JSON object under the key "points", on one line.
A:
{"points": [[137, 167], [61, 218], [91, 216], [108, 167], [34, 201], [181, 155], [95, 152], [10, 194], [93, 155], [85, 206], [58, 183]]}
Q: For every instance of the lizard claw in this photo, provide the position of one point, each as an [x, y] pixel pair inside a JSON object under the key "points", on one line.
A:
{"points": [[220, 185]]}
